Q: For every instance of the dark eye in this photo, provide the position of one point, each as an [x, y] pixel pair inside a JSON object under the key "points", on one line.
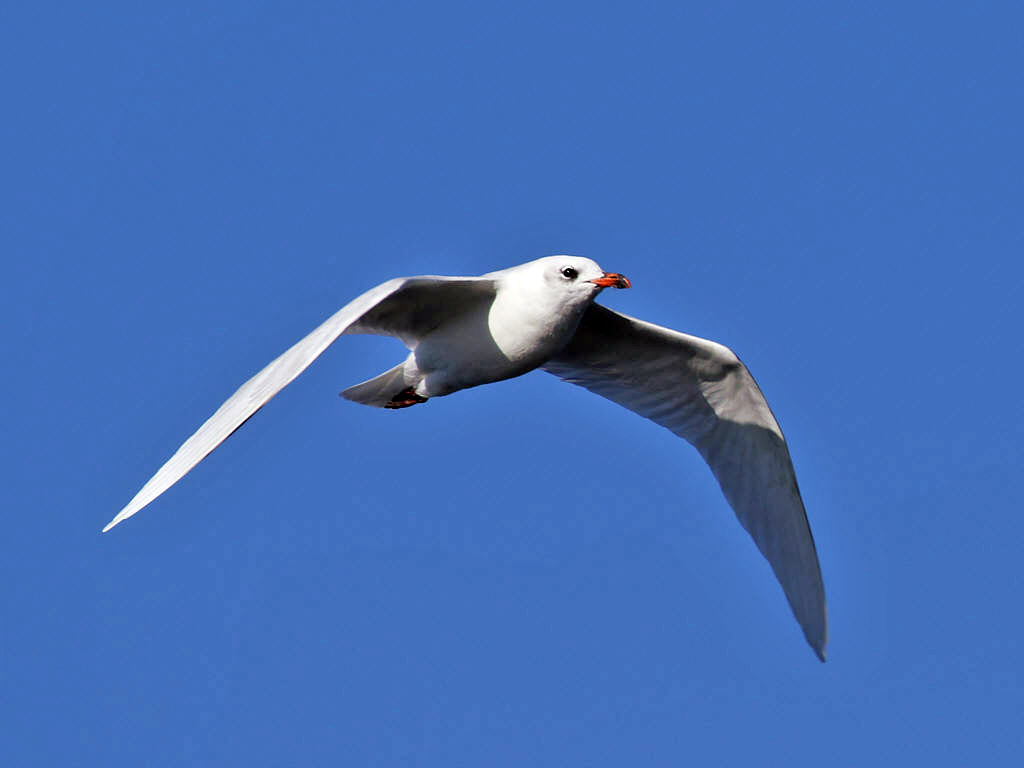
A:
{"points": [[569, 273]]}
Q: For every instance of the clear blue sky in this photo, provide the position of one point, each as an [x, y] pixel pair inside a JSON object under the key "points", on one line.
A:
{"points": [[521, 574]]}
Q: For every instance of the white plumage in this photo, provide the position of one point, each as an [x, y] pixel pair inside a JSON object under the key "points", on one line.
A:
{"points": [[466, 331]]}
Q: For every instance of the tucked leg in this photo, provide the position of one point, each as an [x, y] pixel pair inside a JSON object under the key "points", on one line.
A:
{"points": [[404, 399]]}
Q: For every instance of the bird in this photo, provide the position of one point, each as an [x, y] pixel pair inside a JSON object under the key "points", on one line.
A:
{"points": [[462, 332]]}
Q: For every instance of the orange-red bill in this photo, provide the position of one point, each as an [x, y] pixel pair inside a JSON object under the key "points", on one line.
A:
{"points": [[610, 279]]}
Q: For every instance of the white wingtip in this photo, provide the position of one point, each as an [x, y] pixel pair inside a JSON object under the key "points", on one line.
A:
{"points": [[124, 514]]}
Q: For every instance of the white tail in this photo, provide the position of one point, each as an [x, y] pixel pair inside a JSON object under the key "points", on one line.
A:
{"points": [[379, 390]]}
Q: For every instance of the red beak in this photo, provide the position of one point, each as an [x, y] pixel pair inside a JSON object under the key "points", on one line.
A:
{"points": [[608, 279]]}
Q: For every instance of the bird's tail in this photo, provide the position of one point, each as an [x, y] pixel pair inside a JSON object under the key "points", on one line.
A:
{"points": [[379, 390]]}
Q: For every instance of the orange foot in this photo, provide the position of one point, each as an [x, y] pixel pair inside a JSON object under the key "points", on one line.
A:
{"points": [[404, 399]]}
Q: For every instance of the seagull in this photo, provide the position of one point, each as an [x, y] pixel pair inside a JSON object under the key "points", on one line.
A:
{"points": [[465, 331]]}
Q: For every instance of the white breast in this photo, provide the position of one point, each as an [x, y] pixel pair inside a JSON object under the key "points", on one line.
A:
{"points": [[528, 327]]}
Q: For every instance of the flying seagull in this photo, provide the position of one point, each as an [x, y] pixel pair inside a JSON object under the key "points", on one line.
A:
{"points": [[467, 331]]}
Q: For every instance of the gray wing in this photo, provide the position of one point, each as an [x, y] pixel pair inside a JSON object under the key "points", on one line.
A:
{"points": [[702, 392], [406, 307]]}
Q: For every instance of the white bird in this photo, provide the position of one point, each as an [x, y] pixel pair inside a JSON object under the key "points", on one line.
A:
{"points": [[466, 331]]}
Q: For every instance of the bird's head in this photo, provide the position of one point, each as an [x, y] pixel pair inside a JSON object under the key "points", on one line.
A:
{"points": [[581, 279], [555, 286]]}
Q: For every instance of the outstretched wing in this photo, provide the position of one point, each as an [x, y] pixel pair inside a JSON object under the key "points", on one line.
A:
{"points": [[702, 392], [407, 308]]}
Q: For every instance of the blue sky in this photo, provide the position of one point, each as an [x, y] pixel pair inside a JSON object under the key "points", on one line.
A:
{"points": [[520, 574]]}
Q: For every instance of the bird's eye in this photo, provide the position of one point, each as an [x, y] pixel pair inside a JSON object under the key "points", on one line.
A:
{"points": [[569, 273]]}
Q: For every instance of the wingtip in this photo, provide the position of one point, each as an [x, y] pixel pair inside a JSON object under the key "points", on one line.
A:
{"points": [[818, 642], [118, 518]]}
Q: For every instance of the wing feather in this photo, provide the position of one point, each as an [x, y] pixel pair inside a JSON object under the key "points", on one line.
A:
{"points": [[703, 393], [406, 308]]}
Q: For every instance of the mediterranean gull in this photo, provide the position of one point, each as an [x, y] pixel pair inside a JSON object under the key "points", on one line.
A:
{"points": [[467, 331]]}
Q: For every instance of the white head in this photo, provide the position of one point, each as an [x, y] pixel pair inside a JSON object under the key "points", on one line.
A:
{"points": [[579, 272], [552, 290], [574, 279]]}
